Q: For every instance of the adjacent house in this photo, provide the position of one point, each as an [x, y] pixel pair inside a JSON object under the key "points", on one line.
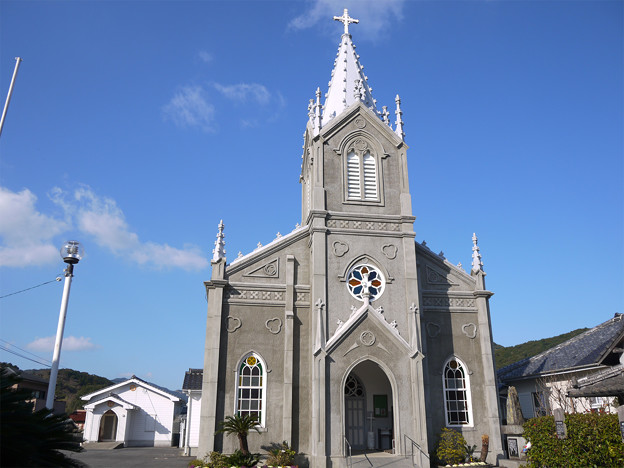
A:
{"points": [[134, 412], [192, 386], [38, 388], [584, 373]]}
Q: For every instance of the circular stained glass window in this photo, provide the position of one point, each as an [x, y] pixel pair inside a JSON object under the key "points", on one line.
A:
{"points": [[365, 279]]}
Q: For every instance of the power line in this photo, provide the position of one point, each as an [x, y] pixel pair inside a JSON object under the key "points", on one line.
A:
{"points": [[25, 351], [22, 356], [58, 278]]}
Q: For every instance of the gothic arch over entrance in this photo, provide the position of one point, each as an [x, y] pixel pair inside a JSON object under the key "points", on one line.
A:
{"points": [[368, 409], [108, 427]]}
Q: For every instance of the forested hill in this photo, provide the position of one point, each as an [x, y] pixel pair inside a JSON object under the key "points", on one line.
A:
{"points": [[72, 384], [508, 355]]}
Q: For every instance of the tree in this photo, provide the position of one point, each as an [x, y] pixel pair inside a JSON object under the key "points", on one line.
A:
{"points": [[33, 439], [240, 426]]}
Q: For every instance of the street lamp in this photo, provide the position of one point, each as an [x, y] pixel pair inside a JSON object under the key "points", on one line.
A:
{"points": [[71, 253]]}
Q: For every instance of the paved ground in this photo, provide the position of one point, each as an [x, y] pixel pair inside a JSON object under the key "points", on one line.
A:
{"points": [[134, 457]]}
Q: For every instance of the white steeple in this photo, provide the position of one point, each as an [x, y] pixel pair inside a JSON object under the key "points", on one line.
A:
{"points": [[477, 264], [348, 82], [219, 251]]}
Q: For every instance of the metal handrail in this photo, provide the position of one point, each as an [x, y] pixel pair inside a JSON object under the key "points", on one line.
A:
{"points": [[348, 457], [414, 444]]}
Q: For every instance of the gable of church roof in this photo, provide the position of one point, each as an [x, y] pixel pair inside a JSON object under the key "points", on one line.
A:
{"points": [[585, 350]]}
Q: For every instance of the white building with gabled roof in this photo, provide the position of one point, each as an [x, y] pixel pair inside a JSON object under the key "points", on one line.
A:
{"points": [[134, 412]]}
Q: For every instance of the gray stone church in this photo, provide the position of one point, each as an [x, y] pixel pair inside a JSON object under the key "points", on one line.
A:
{"points": [[346, 332]]}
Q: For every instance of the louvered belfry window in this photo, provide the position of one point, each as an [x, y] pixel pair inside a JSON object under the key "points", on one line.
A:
{"points": [[362, 174]]}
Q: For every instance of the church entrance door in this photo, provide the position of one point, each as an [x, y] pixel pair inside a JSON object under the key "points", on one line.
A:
{"points": [[369, 415], [108, 427], [355, 409]]}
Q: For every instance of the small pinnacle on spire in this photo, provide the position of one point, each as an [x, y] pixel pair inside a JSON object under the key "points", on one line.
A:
{"points": [[477, 264], [385, 115], [219, 251], [399, 120], [346, 19], [317, 110]]}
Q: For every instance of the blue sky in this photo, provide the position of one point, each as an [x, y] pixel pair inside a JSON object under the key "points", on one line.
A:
{"points": [[135, 126]]}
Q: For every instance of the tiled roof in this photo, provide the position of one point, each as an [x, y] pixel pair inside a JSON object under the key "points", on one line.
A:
{"points": [[584, 350], [193, 379], [609, 382]]}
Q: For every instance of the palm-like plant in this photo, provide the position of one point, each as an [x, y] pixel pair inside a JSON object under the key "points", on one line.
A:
{"points": [[240, 426]]}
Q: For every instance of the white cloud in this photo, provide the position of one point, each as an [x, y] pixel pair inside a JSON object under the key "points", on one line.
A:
{"points": [[205, 56], [101, 218], [189, 107], [376, 16], [244, 91], [25, 233], [70, 343]]}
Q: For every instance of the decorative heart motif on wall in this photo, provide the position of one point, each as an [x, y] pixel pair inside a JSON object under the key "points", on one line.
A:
{"points": [[232, 324], [340, 248], [470, 330], [433, 329], [390, 251], [274, 325]]}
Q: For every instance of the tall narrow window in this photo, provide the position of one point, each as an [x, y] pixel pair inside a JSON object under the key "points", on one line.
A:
{"points": [[456, 394], [370, 177], [251, 388], [362, 173], [353, 176]]}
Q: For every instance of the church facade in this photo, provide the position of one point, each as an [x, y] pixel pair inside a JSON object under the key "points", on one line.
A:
{"points": [[347, 333]]}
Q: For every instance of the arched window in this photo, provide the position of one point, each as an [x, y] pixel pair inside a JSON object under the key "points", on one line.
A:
{"points": [[251, 387], [457, 404], [362, 173]]}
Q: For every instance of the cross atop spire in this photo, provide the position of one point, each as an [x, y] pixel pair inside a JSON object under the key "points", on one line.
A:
{"points": [[346, 19]]}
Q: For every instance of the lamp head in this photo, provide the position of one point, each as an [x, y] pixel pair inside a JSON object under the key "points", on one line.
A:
{"points": [[71, 252]]}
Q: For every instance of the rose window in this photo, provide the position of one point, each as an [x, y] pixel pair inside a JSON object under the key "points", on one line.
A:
{"points": [[365, 280]]}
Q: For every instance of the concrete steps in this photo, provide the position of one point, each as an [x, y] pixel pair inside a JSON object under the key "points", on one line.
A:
{"points": [[102, 445], [381, 459]]}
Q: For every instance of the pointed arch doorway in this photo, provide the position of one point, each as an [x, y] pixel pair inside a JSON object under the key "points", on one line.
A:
{"points": [[108, 427], [368, 408]]}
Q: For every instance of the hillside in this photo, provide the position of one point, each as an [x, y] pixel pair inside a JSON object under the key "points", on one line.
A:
{"points": [[508, 355], [72, 384]]}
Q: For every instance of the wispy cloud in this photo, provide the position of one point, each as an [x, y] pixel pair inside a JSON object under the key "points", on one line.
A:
{"points": [[244, 92], [190, 107], [205, 56], [70, 343], [101, 218], [376, 16], [25, 233]]}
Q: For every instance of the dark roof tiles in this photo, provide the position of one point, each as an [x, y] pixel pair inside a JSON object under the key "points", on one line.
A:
{"points": [[584, 350], [193, 379]]}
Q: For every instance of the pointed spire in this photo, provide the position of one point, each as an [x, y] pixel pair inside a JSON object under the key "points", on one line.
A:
{"points": [[399, 120], [348, 83], [219, 251], [477, 264]]}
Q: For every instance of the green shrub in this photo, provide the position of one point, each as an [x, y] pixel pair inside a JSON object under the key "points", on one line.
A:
{"points": [[281, 455], [451, 447], [216, 460], [593, 439], [196, 462], [239, 458]]}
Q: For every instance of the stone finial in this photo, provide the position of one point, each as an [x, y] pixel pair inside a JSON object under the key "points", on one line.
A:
{"points": [[477, 264], [346, 19], [219, 251], [317, 111], [399, 120], [385, 115]]}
